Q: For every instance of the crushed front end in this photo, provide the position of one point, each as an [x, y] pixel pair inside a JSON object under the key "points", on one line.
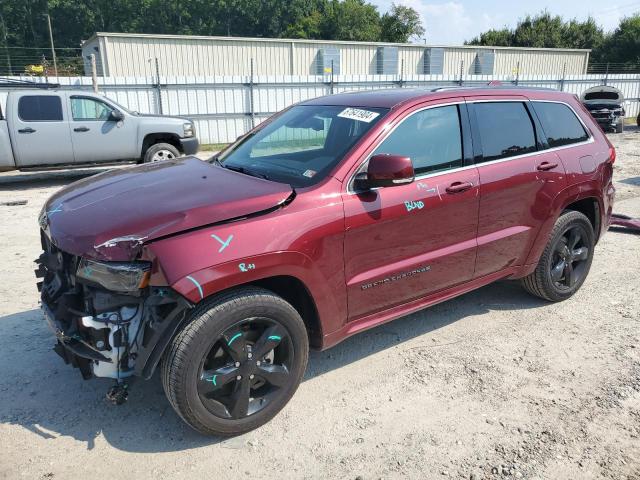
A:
{"points": [[108, 321]]}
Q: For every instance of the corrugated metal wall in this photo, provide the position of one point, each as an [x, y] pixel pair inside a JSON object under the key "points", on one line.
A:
{"points": [[134, 55]]}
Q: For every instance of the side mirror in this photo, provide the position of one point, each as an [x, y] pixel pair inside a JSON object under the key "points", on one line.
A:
{"points": [[116, 116], [385, 170]]}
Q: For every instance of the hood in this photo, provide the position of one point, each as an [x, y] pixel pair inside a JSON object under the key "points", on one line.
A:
{"points": [[111, 215], [602, 94]]}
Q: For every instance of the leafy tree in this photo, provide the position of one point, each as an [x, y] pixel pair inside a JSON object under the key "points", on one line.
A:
{"points": [[400, 24], [623, 46], [495, 38]]}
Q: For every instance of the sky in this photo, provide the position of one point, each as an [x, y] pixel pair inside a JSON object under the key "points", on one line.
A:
{"points": [[454, 21]]}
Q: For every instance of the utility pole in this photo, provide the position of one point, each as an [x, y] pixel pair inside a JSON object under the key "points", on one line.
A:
{"points": [[53, 51]]}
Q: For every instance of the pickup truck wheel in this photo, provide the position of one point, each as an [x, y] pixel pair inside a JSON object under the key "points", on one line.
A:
{"points": [[237, 362], [566, 260], [620, 126], [160, 151]]}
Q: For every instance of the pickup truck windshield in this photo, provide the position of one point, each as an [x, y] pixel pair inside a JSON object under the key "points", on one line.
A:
{"points": [[303, 144]]}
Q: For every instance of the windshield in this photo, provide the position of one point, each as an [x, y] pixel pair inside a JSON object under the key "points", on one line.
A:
{"points": [[303, 144]]}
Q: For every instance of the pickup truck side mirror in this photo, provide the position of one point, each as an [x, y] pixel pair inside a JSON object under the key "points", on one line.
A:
{"points": [[385, 170], [116, 116]]}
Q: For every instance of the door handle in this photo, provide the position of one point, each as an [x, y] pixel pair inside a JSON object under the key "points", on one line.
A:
{"points": [[26, 130], [459, 187], [81, 129], [544, 166]]}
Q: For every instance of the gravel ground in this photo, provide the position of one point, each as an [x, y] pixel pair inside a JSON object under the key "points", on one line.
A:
{"points": [[492, 384]]}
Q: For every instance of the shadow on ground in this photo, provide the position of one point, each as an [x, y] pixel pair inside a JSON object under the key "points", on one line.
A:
{"points": [[50, 399]]}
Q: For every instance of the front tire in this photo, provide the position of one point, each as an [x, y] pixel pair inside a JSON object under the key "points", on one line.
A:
{"points": [[237, 363], [160, 151], [566, 260], [620, 126]]}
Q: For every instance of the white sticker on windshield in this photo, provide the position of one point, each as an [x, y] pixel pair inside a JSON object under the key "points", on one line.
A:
{"points": [[358, 114]]}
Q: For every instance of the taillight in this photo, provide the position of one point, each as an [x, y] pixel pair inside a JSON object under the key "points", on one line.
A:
{"points": [[612, 155]]}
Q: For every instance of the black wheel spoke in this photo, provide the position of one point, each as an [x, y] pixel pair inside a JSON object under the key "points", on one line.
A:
{"points": [[269, 339], [235, 345], [212, 380], [574, 237], [569, 275], [558, 270], [240, 398], [580, 254], [276, 375]]}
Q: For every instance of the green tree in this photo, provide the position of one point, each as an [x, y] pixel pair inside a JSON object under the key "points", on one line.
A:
{"points": [[623, 46], [495, 38], [400, 24]]}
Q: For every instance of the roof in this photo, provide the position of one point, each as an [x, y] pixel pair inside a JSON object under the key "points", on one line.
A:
{"points": [[392, 97], [151, 36]]}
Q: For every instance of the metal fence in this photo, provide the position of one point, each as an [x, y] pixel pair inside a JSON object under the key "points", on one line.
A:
{"points": [[225, 107]]}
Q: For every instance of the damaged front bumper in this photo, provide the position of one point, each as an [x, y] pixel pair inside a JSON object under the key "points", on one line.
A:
{"points": [[101, 332]]}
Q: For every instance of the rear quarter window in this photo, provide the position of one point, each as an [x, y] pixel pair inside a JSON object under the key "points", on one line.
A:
{"points": [[505, 129], [560, 124], [40, 108]]}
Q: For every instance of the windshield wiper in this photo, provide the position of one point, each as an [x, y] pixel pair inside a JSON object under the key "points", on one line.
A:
{"points": [[246, 171]]}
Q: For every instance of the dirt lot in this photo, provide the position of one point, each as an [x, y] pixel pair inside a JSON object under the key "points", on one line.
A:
{"points": [[492, 384]]}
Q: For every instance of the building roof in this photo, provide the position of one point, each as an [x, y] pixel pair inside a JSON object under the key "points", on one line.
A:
{"points": [[319, 42]]}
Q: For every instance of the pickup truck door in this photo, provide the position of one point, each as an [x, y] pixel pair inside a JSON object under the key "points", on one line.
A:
{"points": [[409, 241], [39, 128], [96, 136]]}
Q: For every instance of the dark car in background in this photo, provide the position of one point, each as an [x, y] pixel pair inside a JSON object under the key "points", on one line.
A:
{"points": [[606, 106]]}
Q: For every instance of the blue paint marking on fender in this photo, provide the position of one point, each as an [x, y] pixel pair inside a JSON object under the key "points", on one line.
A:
{"points": [[233, 338], [224, 243], [414, 205], [274, 337], [54, 210], [245, 267], [195, 282]]}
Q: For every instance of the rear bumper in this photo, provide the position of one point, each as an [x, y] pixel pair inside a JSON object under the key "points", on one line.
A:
{"points": [[189, 146]]}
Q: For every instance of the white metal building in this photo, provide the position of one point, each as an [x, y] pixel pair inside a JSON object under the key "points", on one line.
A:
{"points": [[129, 55]]}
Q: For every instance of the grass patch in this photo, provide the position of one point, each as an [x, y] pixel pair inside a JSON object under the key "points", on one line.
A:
{"points": [[212, 147]]}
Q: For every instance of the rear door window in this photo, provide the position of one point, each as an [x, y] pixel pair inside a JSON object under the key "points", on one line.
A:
{"points": [[560, 124], [505, 128], [431, 138], [40, 108]]}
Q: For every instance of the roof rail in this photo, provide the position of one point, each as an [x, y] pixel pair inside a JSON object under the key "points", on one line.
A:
{"points": [[19, 83], [491, 87]]}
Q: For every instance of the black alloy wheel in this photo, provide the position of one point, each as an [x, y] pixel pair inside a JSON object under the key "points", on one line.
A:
{"points": [[570, 255], [566, 259], [237, 362], [246, 368]]}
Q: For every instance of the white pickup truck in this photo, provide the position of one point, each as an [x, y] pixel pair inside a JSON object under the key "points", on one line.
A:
{"points": [[44, 127]]}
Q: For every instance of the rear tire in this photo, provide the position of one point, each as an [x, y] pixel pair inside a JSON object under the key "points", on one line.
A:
{"points": [[566, 260], [160, 151], [217, 360]]}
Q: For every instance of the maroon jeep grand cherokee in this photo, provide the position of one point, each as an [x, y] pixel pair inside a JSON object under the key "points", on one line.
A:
{"points": [[332, 217]]}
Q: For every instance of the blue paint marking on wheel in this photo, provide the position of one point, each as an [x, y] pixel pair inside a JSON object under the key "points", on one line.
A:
{"points": [[233, 338], [195, 282], [213, 380], [275, 338]]}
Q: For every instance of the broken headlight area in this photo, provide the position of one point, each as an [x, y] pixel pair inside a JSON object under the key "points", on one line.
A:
{"points": [[115, 276], [108, 321]]}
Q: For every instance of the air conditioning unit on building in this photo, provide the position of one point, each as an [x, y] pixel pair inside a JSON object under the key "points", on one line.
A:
{"points": [[328, 59], [433, 61], [387, 61]]}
